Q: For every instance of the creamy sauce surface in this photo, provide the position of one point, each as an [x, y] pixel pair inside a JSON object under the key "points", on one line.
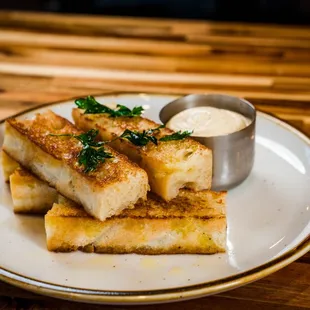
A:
{"points": [[208, 121]]}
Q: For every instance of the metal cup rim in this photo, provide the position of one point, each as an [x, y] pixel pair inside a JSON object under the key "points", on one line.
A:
{"points": [[233, 134]]}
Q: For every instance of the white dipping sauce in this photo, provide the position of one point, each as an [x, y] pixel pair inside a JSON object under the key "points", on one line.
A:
{"points": [[208, 121]]}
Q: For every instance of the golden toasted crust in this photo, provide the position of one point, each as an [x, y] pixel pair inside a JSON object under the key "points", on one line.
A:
{"points": [[116, 235], [24, 176], [8, 165], [67, 149], [30, 195], [67, 208], [113, 186], [116, 126], [204, 204], [170, 165], [142, 250]]}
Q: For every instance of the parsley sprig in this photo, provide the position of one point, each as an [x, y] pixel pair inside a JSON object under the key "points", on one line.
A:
{"points": [[92, 153], [91, 106], [179, 135], [141, 138], [146, 136]]}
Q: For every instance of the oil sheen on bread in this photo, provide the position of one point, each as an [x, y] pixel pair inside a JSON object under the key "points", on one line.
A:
{"points": [[25, 187], [115, 185], [70, 228], [193, 222], [170, 165]]}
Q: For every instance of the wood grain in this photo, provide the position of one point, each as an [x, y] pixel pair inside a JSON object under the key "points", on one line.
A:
{"points": [[47, 57]]}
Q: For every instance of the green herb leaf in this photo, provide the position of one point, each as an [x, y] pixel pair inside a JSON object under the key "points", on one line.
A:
{"points": [[93, 152], [124, 111], [141, 138], [151, 131], [146, 136], [137, 111], [91, 157], [91, 106], [138, 138], [179, 135], [89, 137]]}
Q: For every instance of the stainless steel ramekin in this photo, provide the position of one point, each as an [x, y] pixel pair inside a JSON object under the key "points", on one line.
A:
{"points": [[233, 154]]}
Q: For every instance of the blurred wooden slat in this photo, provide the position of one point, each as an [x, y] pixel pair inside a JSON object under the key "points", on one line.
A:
{"points": [[65, 21], [49, 57], [220, 63], [147, 46], [18, 93]]}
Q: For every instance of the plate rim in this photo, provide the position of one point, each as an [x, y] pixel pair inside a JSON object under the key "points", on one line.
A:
{"points": [[158, 295]]}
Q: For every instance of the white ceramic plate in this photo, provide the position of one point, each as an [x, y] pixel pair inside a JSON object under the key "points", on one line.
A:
{"points": [[268, 228]]}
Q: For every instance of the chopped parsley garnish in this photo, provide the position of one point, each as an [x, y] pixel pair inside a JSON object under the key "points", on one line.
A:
{"points": [[146, 136], [91, 106], [179, 135], [91, 157], [92, 153], [141, 138]]}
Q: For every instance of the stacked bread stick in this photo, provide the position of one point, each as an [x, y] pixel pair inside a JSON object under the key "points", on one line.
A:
{"points": [[114, 183]]}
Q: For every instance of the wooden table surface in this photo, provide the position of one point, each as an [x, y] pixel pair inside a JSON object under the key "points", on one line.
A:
{"points": [[45, 57]]}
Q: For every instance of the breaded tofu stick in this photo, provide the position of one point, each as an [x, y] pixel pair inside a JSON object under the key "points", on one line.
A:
{"points": [[111, 186], [154, 231], [170, 165]]}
